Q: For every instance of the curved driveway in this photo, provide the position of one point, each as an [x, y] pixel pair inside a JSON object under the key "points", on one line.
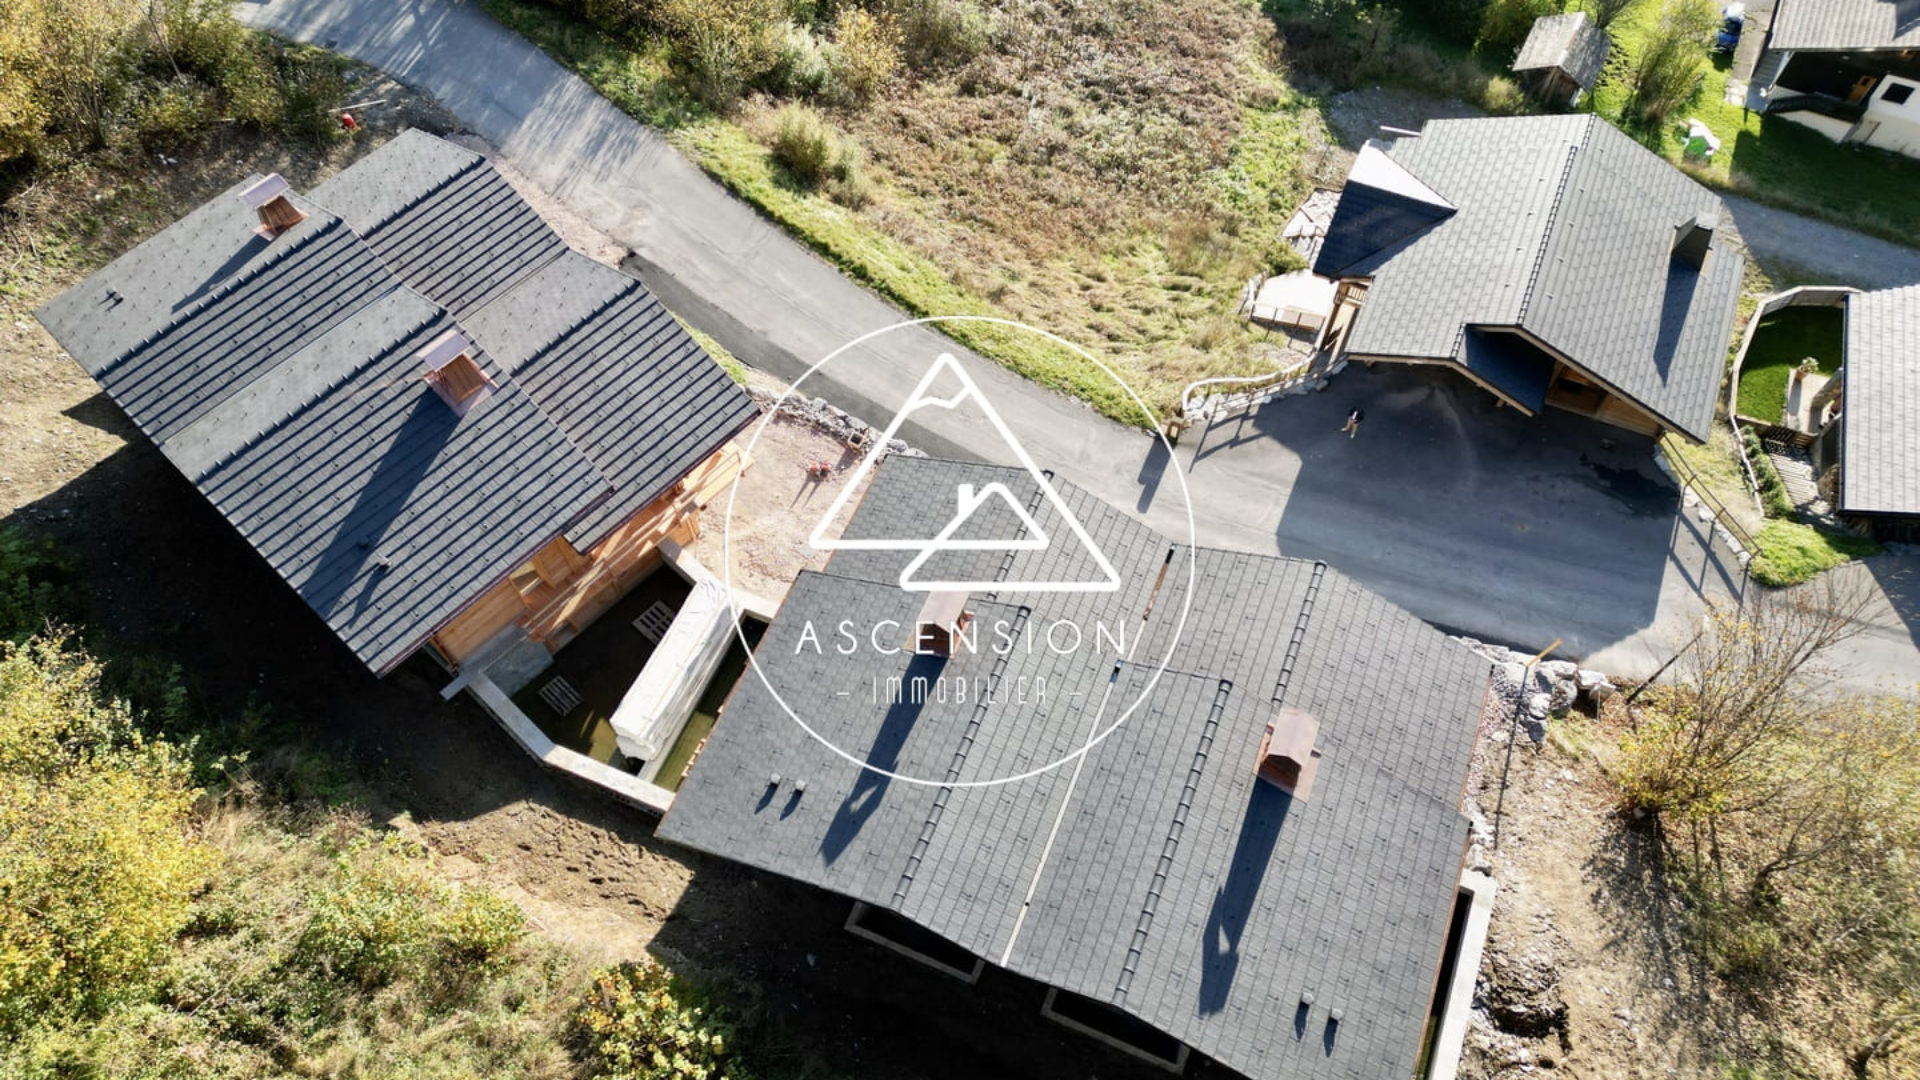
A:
{"points": [[1471, 517]]}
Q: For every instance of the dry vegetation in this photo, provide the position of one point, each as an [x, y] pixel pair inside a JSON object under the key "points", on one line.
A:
{"points": [[1111, 171]]}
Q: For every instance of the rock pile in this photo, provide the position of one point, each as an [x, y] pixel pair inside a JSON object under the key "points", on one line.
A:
{"points": [[1549, 690], [831, 419]]}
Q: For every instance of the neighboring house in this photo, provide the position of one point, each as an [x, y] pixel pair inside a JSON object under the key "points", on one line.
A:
{"points": [[1287, 924], [1550, 259], [431, 417], [1874, 433], [1848, 68], [1562, 58]]}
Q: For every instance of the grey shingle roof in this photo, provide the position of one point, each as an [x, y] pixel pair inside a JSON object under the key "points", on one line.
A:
{"points": [[1176, 887], [1569, 43], [618, 374], [384, 509], [1880, 445], [1565, 228], [281, 376], [1845, 24]]}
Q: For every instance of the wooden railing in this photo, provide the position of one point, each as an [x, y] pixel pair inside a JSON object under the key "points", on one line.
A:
{"points": [[1690, 480]]}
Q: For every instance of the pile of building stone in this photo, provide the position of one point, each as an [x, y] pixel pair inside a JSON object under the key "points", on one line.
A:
{"points": [[831, 419], [1548, 690]]}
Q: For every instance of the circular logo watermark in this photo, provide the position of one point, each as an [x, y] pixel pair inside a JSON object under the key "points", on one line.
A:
{"points": [[946, 385]]}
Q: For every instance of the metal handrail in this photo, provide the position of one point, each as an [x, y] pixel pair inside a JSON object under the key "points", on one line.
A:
{"points": [[1276, 377], [1690, 479]]}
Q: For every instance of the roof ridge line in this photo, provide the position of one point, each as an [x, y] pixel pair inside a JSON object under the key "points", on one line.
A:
{"points": [[1553, 218], [228, 288], [221, 462], [478, 161]]}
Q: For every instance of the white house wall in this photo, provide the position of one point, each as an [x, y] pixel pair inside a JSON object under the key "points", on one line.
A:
{"points": [[1890, 126]]}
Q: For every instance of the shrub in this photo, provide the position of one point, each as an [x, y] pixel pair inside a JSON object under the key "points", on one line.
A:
{"points": [[866, 51], [628, 19], [1507, 22], [372, 920], [35, 585], [802, 68], [1772, 490], [942, 33], [1673, 58], [206, 40], [479, 929], [97, 866], [723, 46], [173, 116], [640, 1023], [311, 88], [804, 143]]}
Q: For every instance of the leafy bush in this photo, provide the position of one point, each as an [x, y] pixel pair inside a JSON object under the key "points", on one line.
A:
{"points": [[943, 33], [373, 920], [35, 585], [818, 156], [804, 143], [78, 75], [723, 46], [174, 116], [479, 929], [1507, 22], [97, 864], [640, 1023], [866, 51], [1673, 58], [802, 68]]}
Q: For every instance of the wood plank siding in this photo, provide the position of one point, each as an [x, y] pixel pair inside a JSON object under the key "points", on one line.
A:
{"points": [[560, 591]]}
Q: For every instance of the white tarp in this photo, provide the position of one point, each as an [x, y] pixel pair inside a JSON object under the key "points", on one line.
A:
{"points": [[657, 705]]}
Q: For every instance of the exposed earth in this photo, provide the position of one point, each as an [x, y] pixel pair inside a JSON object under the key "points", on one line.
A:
{"points": [[1572, 924]]}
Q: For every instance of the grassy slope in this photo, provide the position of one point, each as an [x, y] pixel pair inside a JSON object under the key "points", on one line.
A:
{"points": [[1791, 552], [1782, 341], [1770, 159], [967, 219]]}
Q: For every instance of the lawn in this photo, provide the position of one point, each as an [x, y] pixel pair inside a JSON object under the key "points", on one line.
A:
{"points": [[1790, 552], [1782, 340], [1767, 158], [1120, 201]]}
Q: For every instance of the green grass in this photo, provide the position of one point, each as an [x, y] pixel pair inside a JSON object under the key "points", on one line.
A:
{"points": [[1782, 340], [1790, 553], [728, 362], [1768, 158]]}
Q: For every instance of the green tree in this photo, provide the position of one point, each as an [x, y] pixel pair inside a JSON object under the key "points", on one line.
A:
{"points": [[1667, 73]]}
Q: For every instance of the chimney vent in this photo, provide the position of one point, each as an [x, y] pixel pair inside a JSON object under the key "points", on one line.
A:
{"points": [[1694, 239], [1288, 758], [268, 198], [942, 619], [453, 372]]}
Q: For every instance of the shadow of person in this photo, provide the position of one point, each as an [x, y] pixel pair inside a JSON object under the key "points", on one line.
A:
{"points": [[1153, 467], [1267, 808]]}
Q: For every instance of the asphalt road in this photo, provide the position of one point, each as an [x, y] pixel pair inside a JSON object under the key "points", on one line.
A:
{"points": [[1474, 518]]}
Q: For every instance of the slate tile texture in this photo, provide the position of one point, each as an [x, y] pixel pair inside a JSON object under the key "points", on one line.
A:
{"points": [[1153, 871], [281, 375]]}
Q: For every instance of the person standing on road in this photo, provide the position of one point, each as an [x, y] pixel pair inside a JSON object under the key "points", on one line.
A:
{"points": [[1352, 427]]}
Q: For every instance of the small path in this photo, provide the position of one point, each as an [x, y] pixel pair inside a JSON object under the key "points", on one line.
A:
{"points": [[1827, 254]]}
